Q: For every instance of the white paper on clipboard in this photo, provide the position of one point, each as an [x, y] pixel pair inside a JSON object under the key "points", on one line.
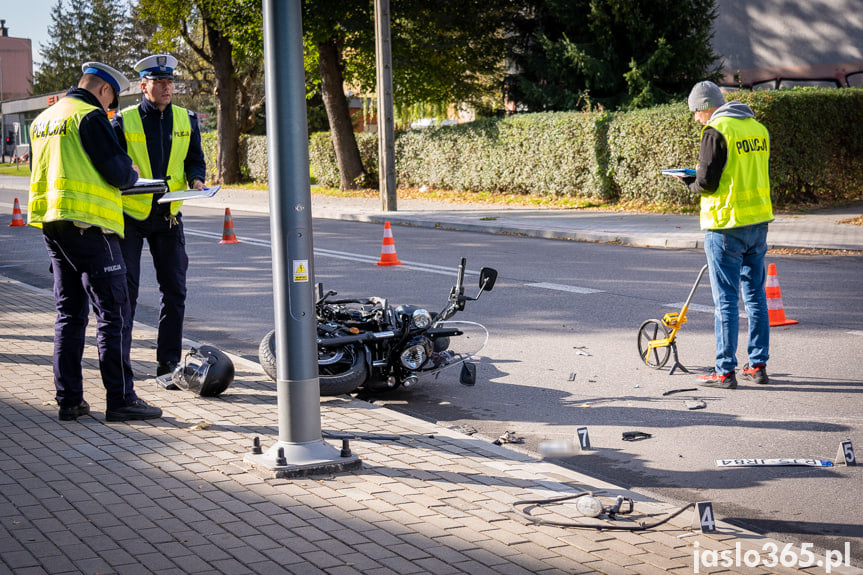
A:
{"points": [[189, 194]]}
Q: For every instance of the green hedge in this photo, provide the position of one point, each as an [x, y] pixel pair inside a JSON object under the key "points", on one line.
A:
{"points": [[540, 154], [643, 142], [816, 142], [816, 155]]}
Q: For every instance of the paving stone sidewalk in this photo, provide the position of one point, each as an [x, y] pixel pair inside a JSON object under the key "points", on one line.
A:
{"points": [[174, 496]]}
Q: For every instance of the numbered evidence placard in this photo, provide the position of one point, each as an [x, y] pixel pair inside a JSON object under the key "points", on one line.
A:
{"points": [[704, 518], [583, 438], [846, 454]]}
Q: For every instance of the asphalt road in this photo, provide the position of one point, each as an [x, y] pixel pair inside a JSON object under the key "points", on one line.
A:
{"points": [[563, 319]]}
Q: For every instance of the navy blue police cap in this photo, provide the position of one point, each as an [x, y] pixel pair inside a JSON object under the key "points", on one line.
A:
{"points": [[114, 77]]}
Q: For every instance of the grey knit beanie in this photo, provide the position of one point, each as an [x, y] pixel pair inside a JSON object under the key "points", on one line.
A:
{"points": [[705, 95]]}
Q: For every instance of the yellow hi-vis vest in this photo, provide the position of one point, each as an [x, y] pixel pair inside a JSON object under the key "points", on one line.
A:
{"points": [[743, 195], [138, 205], [65, 184]]}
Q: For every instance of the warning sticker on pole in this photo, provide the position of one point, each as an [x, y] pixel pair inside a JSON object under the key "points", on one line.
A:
{"points": [[773, 462], [301, 270]]}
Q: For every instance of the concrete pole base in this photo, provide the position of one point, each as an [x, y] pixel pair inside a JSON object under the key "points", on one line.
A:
{"points": [[301, 460]]}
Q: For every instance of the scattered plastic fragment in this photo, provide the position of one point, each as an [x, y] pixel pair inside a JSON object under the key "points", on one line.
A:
{"points": [[672, 391], [636, 435], [695, 404], [508, 437]]}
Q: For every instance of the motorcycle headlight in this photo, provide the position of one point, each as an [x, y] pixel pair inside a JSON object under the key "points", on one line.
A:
{"points": [[421, 319], [414, 356]]}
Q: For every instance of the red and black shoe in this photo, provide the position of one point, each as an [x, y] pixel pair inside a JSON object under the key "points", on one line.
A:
{"points": [[712, 379], [756, 373]]}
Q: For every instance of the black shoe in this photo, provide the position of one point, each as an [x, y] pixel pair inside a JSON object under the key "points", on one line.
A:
{"points": [[73, 412], [727, 381], [137, 410], [165, 367], [756, 373]]}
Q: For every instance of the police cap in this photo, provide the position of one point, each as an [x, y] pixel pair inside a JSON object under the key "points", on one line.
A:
{"points": [[114, 77], [156, 66]]}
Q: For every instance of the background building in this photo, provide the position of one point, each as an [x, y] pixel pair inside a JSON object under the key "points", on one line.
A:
{"points": [[776, 43], [16, 71]]}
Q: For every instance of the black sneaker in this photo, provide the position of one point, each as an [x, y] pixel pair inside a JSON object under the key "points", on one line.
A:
{"points": [[137, 410], [71, 413], [756, 373], [727, 381], [165, 367]]}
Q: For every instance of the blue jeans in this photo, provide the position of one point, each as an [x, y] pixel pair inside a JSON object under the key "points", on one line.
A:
{"points": [[736, 261]]}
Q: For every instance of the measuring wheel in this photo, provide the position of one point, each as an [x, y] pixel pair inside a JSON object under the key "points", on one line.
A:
{"points": [[651, 330]]}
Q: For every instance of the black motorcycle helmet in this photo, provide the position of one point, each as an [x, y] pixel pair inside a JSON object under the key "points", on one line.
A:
{"points": [[205, 371]]}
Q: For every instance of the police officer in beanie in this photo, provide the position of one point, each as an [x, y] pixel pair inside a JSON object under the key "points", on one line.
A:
{"points": [[77, 170], [732, 178], [165, 142]]}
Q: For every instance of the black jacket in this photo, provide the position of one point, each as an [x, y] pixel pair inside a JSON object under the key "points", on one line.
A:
{"points": [[100, 143]]}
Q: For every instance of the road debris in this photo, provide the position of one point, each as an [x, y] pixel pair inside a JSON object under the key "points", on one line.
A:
{"points": [[508, 437], [673, 391]]}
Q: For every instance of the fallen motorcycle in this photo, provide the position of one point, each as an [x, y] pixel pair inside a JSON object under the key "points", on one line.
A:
{"points": [[372, 345]]}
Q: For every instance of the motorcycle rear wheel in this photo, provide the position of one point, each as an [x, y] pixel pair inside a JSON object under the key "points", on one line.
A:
{"points": [[339, 372]]}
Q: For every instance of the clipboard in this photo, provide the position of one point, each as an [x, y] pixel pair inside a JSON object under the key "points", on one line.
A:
{"points": [[189, 194], [145, 186], [679, 172]]}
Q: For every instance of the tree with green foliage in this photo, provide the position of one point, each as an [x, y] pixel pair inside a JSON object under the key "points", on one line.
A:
{"points": [[228, 35], [581, 54], [83, 30], [444, 52]]}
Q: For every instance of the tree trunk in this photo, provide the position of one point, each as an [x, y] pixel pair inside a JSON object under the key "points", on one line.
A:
{"points": [[351, 172], [227, 127]]}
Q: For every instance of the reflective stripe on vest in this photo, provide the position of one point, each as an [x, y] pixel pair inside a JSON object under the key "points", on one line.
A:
{"points": [[65, 184], [743, 195], [138, 206]]}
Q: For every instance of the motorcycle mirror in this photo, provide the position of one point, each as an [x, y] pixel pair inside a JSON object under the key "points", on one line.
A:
{"points": [[468, 374], [487, 277]]}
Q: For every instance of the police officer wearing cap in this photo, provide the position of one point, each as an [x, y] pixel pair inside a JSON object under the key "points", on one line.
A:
{"points": [[78, 169], [164, 140]]}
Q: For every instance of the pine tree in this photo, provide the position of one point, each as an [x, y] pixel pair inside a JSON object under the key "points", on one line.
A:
{"points": [[83, 31], [577, 54]]}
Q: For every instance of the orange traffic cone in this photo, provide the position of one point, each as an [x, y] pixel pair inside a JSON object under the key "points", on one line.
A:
{"points": [[228, 236], [17, 219], [388, 249], [774, 299]]}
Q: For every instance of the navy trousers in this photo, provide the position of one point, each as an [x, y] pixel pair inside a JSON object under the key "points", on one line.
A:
{"points": [[168, 249], [88, 269]]}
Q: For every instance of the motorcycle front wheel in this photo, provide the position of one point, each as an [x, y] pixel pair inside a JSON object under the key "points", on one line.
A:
{"points": [[340, 370]]}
